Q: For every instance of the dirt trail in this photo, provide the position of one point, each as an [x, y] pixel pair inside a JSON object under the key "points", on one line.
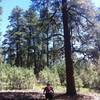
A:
{"points": [[24, 95]]}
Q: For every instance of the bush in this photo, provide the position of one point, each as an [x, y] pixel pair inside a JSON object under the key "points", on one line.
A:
{"points": [[16, 78], [61, 72], [90, 77], [50, 75], [87, 76], [24, 78], [78, 80]]}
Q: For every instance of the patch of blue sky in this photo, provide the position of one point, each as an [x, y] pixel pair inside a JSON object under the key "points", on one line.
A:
{"points": [[7, 6]]}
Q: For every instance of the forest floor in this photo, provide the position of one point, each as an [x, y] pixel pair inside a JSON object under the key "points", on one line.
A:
{"points": [[30, 95]]}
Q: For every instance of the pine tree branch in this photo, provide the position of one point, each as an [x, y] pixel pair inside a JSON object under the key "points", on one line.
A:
{"points": [[54, 35], [80, 14]]}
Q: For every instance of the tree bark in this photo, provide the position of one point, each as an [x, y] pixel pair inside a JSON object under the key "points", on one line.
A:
{"points": [[36, 67], [70, 82], [47, 47], [18, 60], [29, 64]]}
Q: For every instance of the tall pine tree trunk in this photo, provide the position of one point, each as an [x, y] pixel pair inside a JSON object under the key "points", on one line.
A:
{"points": [[28, 50], [47, 32], [18, 60], [70, 83], [36, 72]]}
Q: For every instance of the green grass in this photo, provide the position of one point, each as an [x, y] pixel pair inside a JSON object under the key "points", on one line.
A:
{"points": [[88, 91], [57, 89]]}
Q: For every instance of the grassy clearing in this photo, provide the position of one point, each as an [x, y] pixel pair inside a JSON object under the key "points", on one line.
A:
{"points": [[57, 89]]}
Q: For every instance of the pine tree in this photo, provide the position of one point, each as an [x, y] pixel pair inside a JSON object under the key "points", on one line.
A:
{"points": [[75, 16]]}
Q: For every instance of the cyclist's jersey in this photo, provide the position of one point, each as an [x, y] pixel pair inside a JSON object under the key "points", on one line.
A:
{"points": [[48, 89]]}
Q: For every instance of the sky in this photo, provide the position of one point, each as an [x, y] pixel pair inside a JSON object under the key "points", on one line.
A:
{"points": [[96, 3], [8, 5]]}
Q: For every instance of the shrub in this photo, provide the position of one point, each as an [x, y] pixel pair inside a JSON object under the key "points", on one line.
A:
{"points": [[16, 77], [89, 77], [78, 80], [61, 72], [50, 75]]}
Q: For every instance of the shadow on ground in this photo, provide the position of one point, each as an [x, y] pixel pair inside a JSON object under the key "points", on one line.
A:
{"points": [[39, 96]]}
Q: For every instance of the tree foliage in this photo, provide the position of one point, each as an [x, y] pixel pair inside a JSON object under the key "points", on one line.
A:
{"points": [[51, 31]]}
